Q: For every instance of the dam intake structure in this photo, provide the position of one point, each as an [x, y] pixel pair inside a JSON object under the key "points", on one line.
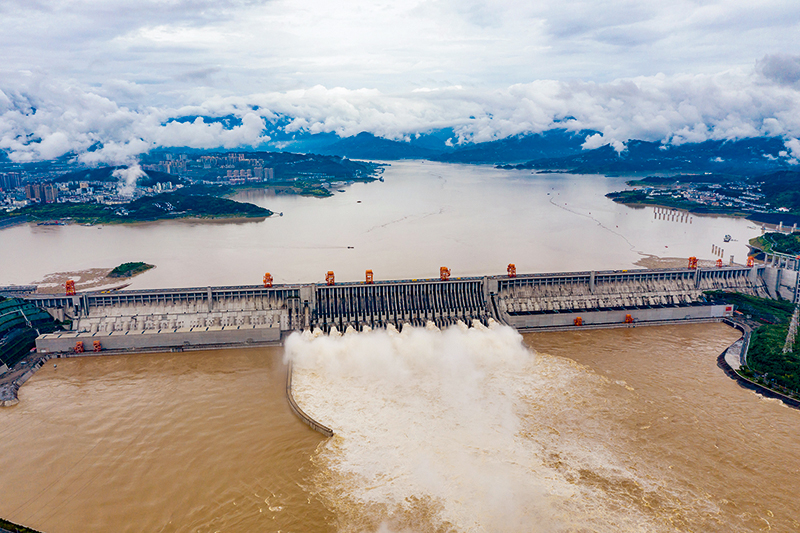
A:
{"points": [[210, 317]]}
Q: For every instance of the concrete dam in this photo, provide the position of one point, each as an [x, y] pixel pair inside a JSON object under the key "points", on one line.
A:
{"points": [[208, 317]]}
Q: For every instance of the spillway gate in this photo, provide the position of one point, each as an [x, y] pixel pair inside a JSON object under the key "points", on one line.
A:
{"points": [[412, 302]]}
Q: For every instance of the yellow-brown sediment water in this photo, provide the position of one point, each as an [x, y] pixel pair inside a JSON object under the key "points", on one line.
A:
{"points": [[196, 441], [481, 430], [463, 429]]}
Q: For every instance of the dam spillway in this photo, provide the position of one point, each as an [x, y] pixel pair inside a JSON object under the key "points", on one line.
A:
{"points": [[414, 302], [190, 318]]}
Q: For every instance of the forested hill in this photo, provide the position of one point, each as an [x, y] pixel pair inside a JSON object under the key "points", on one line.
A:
{"points": [[742, 156], [106, 174]]}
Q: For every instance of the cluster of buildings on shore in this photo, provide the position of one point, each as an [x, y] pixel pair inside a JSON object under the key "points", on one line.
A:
{"points": [[50, 181], [229, 168], [44, 183], [16, 193], [745, 196]]}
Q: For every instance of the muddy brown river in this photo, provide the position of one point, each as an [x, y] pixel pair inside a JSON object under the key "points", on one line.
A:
{"points": [[461, 430]]}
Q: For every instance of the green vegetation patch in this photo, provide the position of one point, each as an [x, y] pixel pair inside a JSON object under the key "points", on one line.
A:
{"points": [[767, 362], [764, 310], [783, 243], [149, 208], [177, 205], [640, 197], [628, 197], [11, 526], [766, 357], [78, 212], [671, 181], [782, 189], [126, 270]]}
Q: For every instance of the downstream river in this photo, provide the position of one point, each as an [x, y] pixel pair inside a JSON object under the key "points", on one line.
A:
{"points": [[461, 430], [631, 430], [473, 219]]}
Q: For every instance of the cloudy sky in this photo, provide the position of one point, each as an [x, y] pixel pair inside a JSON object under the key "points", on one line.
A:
{"points": [[114, 73]]}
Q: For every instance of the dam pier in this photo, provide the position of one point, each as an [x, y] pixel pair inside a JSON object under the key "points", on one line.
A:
{"points": [[211, 317]]}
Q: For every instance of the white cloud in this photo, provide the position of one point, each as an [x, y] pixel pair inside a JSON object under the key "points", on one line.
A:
{"points": [[782, 68], [106, 78], [793, 145], [199, 134], [177, 48], [41, 118]]}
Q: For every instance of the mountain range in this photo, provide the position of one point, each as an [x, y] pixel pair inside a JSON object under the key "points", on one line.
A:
{"points": [[553, 150], [562, 150]]}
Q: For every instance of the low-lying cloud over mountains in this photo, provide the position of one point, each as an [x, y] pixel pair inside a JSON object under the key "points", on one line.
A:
{"points": [[109, 80], [42, 118]]}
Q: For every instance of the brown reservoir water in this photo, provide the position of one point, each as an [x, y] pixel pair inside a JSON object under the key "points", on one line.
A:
{"points": [[461, 430]]}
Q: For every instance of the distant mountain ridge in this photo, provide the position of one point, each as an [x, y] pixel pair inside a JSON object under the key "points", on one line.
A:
{"points": [[105, 174], [561, 149], [367, 146], [434, 146], [553, 150], [746, 155], [548, 144]]}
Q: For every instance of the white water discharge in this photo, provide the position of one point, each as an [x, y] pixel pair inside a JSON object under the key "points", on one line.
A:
{"points": [[467, 429]]}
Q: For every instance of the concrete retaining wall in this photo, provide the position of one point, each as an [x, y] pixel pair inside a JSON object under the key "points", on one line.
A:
{"points": [[310, 422], [617, 317], [167, 339], [724, 364], [787, 284]]}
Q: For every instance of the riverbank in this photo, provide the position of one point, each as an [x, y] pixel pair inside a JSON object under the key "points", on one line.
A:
{"points": [[9, 221], [11, 381], [631, 199], [164, 206], [90, 278], [11, 527], [729, 365], [766, 219]]}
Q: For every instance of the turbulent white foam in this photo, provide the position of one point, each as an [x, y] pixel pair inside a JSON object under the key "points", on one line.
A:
{"points": [[465, 426]]}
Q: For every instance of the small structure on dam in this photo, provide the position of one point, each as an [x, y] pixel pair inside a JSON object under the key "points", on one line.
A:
{"points": [[244, 315]]}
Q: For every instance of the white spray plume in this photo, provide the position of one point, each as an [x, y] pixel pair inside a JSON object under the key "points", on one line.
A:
{"points": [[127, 178], [463, 429]]}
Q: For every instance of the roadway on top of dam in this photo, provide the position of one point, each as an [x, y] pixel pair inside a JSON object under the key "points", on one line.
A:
{"points": [[648, 272]]}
